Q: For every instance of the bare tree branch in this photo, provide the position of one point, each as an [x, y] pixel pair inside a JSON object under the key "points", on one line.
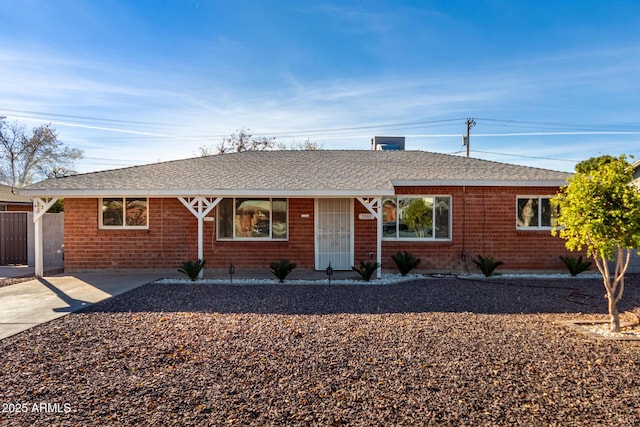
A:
{"points": [[26, 157]]}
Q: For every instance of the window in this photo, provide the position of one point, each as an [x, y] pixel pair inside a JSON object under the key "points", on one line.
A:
{"points": [[536, 213], [416, 218], [124, 212], [244, 218]]}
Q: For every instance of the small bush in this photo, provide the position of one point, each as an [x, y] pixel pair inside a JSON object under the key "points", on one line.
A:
{"points": [[487, 265], [192, 269], [575, 266], [366, 269], [282, 268], [405, 262]]}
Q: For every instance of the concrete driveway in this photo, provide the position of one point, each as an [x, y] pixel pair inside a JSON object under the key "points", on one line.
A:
{"points": [[25, 305]]}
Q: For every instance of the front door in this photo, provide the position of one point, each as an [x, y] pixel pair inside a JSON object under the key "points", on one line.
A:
{"points": [[334, 233]]}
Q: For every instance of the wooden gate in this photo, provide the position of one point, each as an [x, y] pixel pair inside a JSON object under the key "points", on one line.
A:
{"points": [[13, 238]]}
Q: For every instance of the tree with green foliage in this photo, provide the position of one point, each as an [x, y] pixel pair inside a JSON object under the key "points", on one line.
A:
{"points": [[417, 216], [600, 212], [593, 163]]}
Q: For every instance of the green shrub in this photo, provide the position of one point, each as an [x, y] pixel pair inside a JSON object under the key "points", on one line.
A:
{"points": [[487, 264], [405, 262], [192, 269], [366, 269], [282, 268], [575, 266]]}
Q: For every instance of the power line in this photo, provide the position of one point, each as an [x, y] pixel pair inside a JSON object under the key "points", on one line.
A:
{"points": [[526, 157], [555, 125], [114, 160], [558, 128], [389, 125], [87, 118], [99, 124]]}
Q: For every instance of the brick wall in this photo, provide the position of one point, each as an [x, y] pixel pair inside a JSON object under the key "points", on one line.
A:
{"points": [[299, 248], [365, 235], [16, 208], [172, 238], [483, 223], [487, 215]]}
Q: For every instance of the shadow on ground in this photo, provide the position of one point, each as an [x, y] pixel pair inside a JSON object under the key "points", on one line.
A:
{"points": [[493, 296], [73, 304]]}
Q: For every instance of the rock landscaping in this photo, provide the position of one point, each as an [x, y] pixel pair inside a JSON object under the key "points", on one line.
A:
{"points": [[481, 352], [7, 281]]}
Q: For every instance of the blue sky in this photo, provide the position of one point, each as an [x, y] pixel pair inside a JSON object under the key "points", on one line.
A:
{"points": [[549, 83]]}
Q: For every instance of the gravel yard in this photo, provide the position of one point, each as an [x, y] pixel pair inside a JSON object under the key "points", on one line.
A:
{"points": [[7, 281], [434, 352]]}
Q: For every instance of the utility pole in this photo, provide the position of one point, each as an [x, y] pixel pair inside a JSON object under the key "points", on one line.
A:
{"points": [[470, 123]]}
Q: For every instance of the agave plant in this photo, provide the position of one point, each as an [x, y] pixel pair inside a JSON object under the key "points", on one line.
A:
{"points": [[405, 262], [192, 268], [487, 265], [366, 269], [575, 266], [282, 268]]}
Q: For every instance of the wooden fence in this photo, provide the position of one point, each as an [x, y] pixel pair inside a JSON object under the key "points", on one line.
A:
{"points": [[13, 238]]}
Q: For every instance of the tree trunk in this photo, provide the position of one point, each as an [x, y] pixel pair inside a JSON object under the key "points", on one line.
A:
{"points": [[613, 314], [614, 287]]}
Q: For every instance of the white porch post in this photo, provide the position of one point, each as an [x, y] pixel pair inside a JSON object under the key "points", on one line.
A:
{"points": [[200, 208], [374, 206], [40, 207]]}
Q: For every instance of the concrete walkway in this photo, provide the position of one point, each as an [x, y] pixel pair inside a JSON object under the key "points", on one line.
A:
{"points": [[25, 305]]}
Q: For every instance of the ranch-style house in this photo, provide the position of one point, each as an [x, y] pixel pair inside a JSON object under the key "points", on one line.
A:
{"points": [[311, 207]]}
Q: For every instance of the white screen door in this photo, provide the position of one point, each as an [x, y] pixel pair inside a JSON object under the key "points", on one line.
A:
{"points": [[333, 233]]}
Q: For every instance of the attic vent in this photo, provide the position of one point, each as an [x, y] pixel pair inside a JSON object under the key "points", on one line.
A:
{"points": [[387, 143]]}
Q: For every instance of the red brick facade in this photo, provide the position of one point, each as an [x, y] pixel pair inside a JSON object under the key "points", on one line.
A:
{"points": [[483, 223], [299, 247], [170, 239], [15, 207]]}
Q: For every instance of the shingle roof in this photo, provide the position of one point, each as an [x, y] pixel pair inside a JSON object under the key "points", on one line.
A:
{"points": [[322, 172], [10, 195]]}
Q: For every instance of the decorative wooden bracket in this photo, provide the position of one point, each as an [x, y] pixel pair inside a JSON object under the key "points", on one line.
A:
{"points": [[372, 204], [41, 206], [200, 207]]}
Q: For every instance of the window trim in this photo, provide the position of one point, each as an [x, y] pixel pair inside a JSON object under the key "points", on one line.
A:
{"points": [[233, 238], [124, 225], [422, 239], [538, 227]]}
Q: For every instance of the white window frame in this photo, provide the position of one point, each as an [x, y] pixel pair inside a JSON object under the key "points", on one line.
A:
{"points": [[538, 227], [422, 239], [124, 225], [252, 239]]}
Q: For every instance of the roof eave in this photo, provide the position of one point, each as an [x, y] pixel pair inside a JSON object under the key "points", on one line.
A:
{"points": [[88, 193], [476, 183]]}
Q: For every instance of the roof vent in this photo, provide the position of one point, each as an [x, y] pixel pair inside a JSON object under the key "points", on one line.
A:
{"points": [[387, 143]]}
